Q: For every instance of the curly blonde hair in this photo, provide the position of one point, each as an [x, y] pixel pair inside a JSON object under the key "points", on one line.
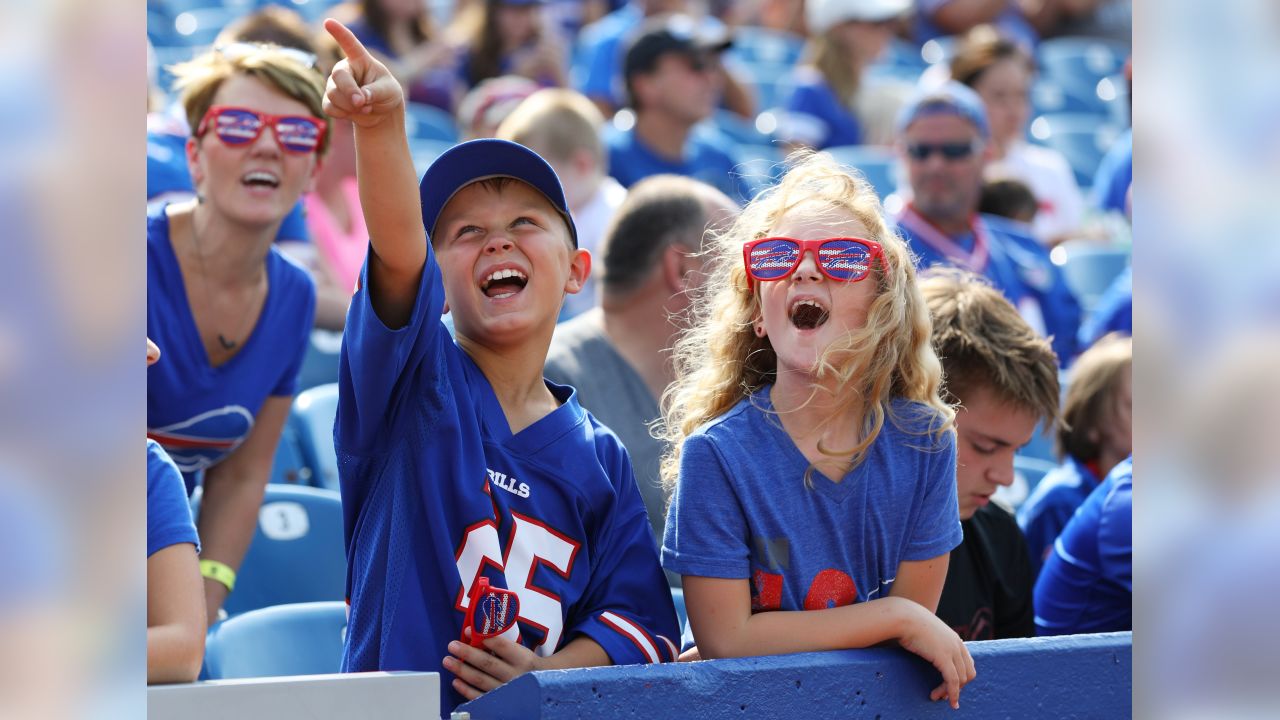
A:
{"points": [[721, 360]]}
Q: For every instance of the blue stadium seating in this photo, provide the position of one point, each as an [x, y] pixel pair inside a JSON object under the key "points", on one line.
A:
{"points": [[312, 419], [677, 596], [1080, 62], [297, 553], [1082, 138], [1032, 470], [1089, 269], [425, 152], [199, 26], [738, 129], [756, 46], [878, 164], [1049, 96], [320, 363], [764, 59], [288, 467], [427, 122], [293, 639]]}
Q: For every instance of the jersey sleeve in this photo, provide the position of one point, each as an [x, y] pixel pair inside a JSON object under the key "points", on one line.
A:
{"points": [[168, 514], [627, 607], [375, 358], [1041, 523], [598, 66], [706, 532], [937, 529], [1115, 536]]}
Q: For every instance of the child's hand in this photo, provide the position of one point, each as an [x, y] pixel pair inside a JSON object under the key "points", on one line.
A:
{"points": [[360, 88], [479, 670], [930, 638]]}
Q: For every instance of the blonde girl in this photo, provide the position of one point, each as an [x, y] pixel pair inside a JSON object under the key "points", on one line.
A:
{"points": [[813, 463]]}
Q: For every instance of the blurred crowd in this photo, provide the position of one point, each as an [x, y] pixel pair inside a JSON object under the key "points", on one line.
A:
{"points": [[995, 133]]}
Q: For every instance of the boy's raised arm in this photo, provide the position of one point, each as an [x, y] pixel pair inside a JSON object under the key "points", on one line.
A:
{"points": [[361, 89]]}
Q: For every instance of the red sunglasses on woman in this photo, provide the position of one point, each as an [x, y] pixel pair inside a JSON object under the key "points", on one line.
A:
{"points": [[237, 126]]}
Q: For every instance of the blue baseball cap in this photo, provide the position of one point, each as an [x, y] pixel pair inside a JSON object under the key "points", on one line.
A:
{"points": [[485, 158], [949, 98]]}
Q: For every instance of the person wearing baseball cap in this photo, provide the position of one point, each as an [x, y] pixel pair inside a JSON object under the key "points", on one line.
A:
{"points": [[672, 84], [827, 107], [945, 140], [468, 479]]}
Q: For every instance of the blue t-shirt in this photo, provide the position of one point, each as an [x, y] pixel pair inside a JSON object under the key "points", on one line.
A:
{"points": [[168, 513], [200, 413], [1112, 313], [168, 175], [1114, 175], [1086, 585], [436, 491], [1051, 505], [816, 116], [706, 158], [741, 509], [1021, 269], [596, 70]]}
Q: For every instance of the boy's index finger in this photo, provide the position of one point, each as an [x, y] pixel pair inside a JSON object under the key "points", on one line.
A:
{"points": [[351, 46]]}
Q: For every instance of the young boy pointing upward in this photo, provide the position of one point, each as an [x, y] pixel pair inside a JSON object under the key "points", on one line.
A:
{"points": [[458, 462]]}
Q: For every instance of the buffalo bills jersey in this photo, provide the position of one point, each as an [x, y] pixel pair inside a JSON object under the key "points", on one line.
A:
{"points": [[200, 413], [1015, 264], [437, 492]]}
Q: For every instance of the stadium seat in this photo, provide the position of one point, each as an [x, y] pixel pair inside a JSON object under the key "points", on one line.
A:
{"points": [[320, 363], [1082, 138], [760, 165], [903, 54], [1078, 63], [297, 552], [198, 27], [425, 152], [293, 639], [288, 467], [312, 419], [1048, 96], [427, 122], [738, 129], [878, 164], [677, 596], [1089, 269], [755, 46], [1031, 469]]}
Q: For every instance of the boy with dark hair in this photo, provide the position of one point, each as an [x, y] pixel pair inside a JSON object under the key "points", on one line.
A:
{"points": [[460, 466], [1004, 377]]}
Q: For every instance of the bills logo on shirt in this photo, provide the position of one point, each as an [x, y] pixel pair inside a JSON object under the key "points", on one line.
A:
{"points": [[201, 441]]}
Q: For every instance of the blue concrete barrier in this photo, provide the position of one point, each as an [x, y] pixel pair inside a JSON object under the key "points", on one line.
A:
{"points": [[1080, 676]]}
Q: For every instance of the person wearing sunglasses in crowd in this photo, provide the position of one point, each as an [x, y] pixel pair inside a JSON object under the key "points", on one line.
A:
{"points": [[231, 311], [813, 462], [945, 140]]}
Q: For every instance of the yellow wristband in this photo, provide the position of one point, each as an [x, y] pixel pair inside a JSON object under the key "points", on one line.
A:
{"points": [[218, 572]]}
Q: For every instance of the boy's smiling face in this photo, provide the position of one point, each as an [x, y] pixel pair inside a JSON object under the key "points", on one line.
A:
{"points": [[507, 261]]}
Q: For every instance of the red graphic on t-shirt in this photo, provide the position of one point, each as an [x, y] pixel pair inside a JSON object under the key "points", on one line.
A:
{"points": [[831, 588], [766, 591]]}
